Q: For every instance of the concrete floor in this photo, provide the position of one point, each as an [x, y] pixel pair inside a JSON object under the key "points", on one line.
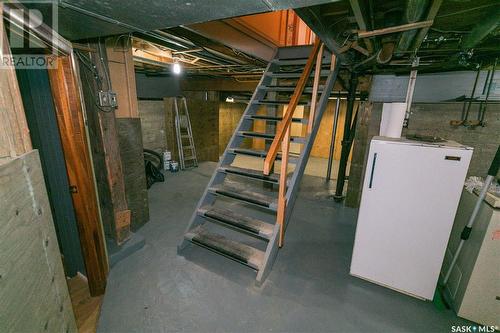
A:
{"points": [[309, 289]]}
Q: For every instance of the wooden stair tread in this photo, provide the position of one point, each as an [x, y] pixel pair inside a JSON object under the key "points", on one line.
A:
{"points": [[248, 224], [242, 253], [276, 119], [269, 137], [245, 195], [251, 173], [260, 153]]}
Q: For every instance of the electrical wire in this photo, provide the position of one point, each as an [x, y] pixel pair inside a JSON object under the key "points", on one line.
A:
{"points": [[92, 69]]}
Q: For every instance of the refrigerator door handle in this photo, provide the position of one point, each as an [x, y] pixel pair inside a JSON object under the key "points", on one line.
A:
{"points": [[373, 170]]}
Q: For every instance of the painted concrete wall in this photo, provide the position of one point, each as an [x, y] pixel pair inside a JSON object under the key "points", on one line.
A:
{"points": [[151, 87], [434, 119], [432, 88], [430, 119], [152, 114]]}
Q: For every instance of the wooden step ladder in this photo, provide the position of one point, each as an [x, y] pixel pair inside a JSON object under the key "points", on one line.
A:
{"points": [[184, 133], [244, 211]]}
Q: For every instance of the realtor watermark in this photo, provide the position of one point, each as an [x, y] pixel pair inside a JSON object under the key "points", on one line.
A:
{"points": [[31, 34], [473, 329]]}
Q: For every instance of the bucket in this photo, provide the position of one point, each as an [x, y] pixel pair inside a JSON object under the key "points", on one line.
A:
{"points": [[174, 166]]}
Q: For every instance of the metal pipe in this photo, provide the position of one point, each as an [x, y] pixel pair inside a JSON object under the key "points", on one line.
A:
{"points": [[483, 109], [492, 172], [473, 93], [332, 143], [346, 142], [415, 10], [482, 30]]}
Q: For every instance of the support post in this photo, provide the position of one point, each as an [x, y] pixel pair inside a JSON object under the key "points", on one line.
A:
{"points": [[332, 143], [346, 141]]}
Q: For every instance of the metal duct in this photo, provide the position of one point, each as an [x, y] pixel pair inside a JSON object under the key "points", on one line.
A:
{"points": [[415, 10]]}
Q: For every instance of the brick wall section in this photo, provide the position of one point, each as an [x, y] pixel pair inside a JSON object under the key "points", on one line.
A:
{"points": [[130, 139], [430, 119], [152, 114]]}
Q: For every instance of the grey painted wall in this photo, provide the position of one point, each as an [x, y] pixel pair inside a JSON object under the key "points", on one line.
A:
{"points": [[156, 87], [431, 88]]}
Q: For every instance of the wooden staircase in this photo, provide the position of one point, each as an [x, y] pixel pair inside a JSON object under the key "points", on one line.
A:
{"points": [[244, 211]]}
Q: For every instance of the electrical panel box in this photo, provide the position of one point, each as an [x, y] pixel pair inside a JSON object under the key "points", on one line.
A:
{"points": [[108, 99]]}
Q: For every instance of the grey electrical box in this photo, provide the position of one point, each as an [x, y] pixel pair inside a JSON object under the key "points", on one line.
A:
{"points": [[108, 99]]}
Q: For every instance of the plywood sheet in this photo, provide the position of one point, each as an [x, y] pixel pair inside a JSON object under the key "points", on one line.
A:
{"points": [[33, 292]]}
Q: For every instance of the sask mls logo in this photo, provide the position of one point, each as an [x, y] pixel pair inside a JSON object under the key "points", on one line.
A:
{"points": [[473, 329], [30, 31]]}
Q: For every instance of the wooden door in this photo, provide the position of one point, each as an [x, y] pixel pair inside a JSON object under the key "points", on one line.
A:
{"points": [[78, 163]]}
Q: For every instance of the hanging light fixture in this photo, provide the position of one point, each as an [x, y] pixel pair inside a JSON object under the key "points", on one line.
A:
{"points": [[176, 68]]}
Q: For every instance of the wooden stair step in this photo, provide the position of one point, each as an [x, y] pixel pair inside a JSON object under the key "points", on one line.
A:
{"points": [[269, 137], [250, 173], [248, 224], [247, 196], [276, 119], [239, 252], [259, 153]]}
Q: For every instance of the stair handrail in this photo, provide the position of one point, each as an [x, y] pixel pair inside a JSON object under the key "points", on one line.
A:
{"points": [[294, 101]]}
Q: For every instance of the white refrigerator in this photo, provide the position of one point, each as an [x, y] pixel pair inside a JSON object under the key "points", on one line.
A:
{"points": [[410, 197]]}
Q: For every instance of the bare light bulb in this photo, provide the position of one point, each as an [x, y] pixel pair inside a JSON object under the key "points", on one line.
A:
{"points": [[177, 69]]}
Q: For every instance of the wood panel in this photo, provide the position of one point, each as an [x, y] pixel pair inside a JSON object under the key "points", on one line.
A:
{"points": [[321, 146], [14, 133], [86, 307], [154, 134], [204, 117], [37, 96], [33, 292], [131, 152], [229, 117], [105, 151], [121, 70], [359, 152], [78, 163]]}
